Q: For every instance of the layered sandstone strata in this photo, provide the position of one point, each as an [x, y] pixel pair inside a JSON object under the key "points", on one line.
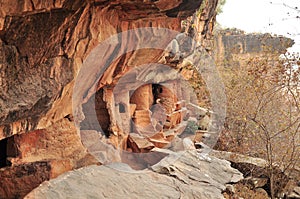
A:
{"points": [[43, 45]]}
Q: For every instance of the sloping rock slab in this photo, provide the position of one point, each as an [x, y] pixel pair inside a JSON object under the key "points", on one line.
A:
{"points": [[199, 170], [179, 175]]}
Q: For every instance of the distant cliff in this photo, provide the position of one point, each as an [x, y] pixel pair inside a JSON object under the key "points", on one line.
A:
{"points": [[232, 44]]}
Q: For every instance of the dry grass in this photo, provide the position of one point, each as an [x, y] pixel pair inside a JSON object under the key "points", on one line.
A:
{"points": [[243, 191]]}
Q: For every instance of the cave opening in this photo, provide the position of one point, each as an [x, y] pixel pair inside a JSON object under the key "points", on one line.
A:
{"points": [[3, 153], [7, 150]]}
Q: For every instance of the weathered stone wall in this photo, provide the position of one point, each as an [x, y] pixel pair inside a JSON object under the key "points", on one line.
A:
{"points": [[42, 47]]}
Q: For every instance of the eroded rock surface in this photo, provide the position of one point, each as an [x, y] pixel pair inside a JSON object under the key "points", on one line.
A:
{"points": [[182, 175], [43, 45]]}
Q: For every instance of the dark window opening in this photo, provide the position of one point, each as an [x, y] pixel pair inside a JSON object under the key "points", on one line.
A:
{"points": [[121, 108], [156, 89], [3, 153], [7, 150]]}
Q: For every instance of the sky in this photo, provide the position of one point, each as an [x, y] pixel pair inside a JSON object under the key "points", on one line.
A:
{"points": [[272, 16]]}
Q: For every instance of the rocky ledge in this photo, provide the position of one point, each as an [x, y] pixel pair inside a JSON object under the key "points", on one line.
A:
{"points": [[43, 47], [187, 174]]}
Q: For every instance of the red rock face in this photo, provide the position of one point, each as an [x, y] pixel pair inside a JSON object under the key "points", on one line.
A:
{"points": [[42, 47], [21, 179], [40, 155]]}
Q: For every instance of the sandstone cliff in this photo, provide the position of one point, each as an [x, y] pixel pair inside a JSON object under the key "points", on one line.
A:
{"points": [[44, 46], [234, 45]]}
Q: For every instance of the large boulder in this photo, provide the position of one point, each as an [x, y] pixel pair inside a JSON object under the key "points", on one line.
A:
{"points": [[180, 175]]}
